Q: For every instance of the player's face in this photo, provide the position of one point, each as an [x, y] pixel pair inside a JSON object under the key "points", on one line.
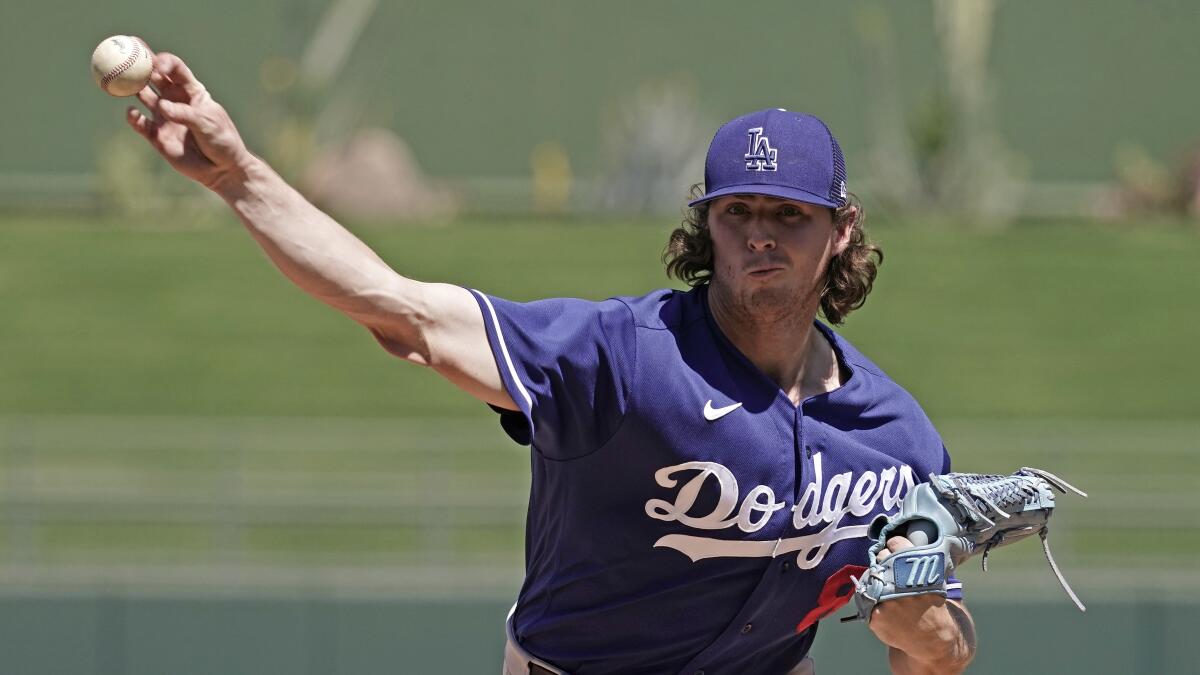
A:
{"points": [[769, 254]]}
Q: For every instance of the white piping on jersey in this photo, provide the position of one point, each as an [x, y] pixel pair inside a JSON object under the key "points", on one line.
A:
{"points": [[512, 370]]}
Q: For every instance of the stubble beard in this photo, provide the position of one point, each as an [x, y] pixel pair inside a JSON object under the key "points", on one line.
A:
{"points": [[769, 307]]}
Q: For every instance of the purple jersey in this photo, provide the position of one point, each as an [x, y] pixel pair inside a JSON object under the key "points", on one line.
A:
{"points": [[684, 515]]}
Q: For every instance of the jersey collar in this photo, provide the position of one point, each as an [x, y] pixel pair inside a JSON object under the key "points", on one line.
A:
{"points": [[759, 377]]}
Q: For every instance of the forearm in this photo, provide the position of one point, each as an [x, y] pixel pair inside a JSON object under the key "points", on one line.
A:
{"points": [[903, 664], [944, 646], [314, 251], [197, 137]]}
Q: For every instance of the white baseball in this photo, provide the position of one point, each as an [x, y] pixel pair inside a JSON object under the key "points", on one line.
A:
{"points": [[121, 65]]}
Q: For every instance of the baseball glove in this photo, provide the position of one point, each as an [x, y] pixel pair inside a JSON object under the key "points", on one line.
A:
{"points": [[949, 519]]}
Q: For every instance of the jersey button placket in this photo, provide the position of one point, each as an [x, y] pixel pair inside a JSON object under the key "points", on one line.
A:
{"points": [[800, 443]]}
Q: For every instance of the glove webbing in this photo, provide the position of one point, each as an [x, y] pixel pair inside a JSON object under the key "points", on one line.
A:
{"points": [[974, 494]]}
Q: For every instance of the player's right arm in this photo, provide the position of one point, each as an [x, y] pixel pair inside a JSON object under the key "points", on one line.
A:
{"points": [[436, 325]]}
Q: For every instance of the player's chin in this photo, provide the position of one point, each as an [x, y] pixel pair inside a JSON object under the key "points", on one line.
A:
{"points": [[771, 298]]}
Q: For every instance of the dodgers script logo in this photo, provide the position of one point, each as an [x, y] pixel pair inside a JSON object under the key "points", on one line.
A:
{"points": [[761, 156], [821, 505]]}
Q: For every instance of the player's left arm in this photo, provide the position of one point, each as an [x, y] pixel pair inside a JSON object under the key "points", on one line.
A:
{"points": [[924, 633]]}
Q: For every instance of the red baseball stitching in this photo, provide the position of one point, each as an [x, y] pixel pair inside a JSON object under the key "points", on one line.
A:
{"points": [[124, 65]]}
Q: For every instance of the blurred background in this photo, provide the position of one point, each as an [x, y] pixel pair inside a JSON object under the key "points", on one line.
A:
{"points": [[204, 471]]}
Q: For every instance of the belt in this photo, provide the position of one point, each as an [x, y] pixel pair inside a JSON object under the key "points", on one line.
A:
{"points": [[517, 661]]}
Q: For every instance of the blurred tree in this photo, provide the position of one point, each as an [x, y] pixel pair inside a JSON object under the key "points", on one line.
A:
{"points": [[894, 154], [946, 155], [982, 176], [300, 89], [654, 142]]}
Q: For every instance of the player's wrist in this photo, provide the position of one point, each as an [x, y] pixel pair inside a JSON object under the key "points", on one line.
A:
{"points": [[243, 178]]}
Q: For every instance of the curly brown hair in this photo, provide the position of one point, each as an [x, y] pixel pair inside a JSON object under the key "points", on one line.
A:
{"points": [[851, 274]]}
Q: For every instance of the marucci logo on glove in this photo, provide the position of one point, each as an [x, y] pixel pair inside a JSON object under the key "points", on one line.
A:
{"points": [[919, 571]]}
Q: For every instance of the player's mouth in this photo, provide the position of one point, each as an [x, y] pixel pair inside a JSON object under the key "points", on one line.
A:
{"points": [[763, 272]]}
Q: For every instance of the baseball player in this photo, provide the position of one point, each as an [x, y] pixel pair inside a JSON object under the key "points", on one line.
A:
{"points": [[705, 462]]}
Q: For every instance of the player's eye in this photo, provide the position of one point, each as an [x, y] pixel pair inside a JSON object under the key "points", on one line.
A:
{"points": [[789, 211], [737, 209]]}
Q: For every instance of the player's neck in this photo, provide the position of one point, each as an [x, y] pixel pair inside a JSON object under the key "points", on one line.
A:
{"points": [[788, 349]]}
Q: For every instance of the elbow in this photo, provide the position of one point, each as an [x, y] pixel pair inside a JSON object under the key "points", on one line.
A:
{"points": [[412, 351], [398, 318]]}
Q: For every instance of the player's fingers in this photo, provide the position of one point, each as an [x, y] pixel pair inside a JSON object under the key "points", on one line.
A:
{"points": [[149, 98], [140, 123], [170, 68], [894, 545], [136, 119], [158, 79], [181, 113]]}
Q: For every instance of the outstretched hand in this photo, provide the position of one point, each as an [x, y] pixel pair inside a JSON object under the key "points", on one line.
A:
{"points": [[187, 127]]}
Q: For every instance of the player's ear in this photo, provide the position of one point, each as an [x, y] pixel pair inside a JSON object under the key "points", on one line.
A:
{"points": [[843, 227]]}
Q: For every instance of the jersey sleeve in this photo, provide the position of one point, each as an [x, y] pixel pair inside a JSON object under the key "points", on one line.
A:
{"points": [[567, 364]]}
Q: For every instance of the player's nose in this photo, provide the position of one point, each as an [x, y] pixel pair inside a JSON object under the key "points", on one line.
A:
{"points": [[759, 237]]}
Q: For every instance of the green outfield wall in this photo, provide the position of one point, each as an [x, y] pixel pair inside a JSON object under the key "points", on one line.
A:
{"points": [[475, 86], [117, 635]]}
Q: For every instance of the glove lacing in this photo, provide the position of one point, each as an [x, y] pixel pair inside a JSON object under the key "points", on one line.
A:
{"points": [[1001, 494]]}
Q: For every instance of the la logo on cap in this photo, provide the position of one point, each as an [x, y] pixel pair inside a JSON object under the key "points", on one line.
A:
{"points": [[760, 156]]}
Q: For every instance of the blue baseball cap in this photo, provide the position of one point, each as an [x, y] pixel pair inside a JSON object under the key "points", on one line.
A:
{"points": [[776, 153]]}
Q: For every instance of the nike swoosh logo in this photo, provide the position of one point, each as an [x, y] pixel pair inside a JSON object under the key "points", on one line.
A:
{"points": [[712, 414]]}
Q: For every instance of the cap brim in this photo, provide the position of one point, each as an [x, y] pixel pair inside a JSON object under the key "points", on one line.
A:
{"points": [[769, 191]]}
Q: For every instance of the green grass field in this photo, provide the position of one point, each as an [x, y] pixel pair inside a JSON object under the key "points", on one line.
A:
{"points": [[1042, 321], [168, 399]]}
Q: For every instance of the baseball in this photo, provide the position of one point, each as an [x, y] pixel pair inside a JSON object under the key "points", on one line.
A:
{"points": [[121, 65]]}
